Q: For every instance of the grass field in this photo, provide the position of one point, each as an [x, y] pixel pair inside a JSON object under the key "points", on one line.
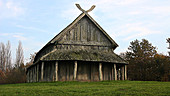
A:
{"points": [[107, 88]]}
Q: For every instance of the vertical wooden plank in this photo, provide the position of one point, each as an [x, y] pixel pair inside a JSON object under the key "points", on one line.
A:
{"points": [[68, 72], [100, 72], [48, 72], [119, 75], [115, 71], [81, 32], [32, 74], [72, 35], [71, 70], [35, 75], [78, 32], [91, 33], [88, 33], [42, 69], [28, 77], [112, 72], [125, 72], [37, 70], [91, 72], [75, 70]]}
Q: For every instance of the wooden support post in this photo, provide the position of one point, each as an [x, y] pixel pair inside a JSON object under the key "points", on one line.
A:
{"points": [[56, 71], [42, 69], [112, 72], [125, 72], [37, 72], [75, 70], [115, 71], [100, 72]]}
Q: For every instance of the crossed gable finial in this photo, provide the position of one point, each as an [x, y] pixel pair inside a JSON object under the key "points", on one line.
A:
{"points": [[85, 11]]}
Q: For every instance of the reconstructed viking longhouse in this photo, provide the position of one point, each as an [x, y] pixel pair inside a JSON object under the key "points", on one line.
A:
{"points": [[83, 51]]}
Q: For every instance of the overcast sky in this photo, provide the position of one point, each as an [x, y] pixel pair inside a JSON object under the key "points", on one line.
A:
{"points": [[35, 22]]}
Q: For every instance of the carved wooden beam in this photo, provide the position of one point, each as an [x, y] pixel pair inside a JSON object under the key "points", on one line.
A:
{"points": [[85, 11]]}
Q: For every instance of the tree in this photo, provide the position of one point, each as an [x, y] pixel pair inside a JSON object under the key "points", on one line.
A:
{"points": [[140, 57], [8, 56], [31, 59], [162, 68], [19, 56], [2, 57]]}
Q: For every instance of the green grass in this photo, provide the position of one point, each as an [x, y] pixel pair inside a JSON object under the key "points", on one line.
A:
{"points": [[105, 88]]}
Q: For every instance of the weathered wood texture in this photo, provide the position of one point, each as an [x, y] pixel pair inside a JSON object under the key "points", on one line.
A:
{"points": [[66, 70], [100, 72], [42, 71], [115, 72], [83, 51], [76, 70], [84, 35], [56, 71], [107, 71]]}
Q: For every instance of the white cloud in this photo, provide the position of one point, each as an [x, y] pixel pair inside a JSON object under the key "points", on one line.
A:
{"points": [[140, 32], [4, 34], [136, 30], [10, 9], [158, 10], [31, 28], [18, 36]]}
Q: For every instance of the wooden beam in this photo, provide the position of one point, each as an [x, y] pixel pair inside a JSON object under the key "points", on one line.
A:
{"points": [[75, 70], [115, 71], [125, 72], [100, 72], [56, 71], [42, 69]]}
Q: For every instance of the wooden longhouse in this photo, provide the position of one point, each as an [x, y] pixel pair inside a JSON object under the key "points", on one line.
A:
{"points": [[83, 51]]}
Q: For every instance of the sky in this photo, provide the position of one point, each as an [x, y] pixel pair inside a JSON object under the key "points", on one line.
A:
{"points": [[35, 22]]}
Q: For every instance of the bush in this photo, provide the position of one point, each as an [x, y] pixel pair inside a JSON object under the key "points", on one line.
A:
{"points": [[16, 75]]}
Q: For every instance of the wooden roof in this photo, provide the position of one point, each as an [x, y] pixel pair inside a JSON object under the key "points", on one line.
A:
{"points": [[75, 21], [92, 55], [83, 55]]}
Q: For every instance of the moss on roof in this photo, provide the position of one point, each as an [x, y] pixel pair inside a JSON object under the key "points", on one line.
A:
{"points": [[84, 55]]}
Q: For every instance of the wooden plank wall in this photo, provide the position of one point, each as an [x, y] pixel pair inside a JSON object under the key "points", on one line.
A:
{"points": [[84, 32], [65, 70]]}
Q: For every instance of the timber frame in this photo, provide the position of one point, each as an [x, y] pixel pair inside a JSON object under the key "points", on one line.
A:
{"points": [[83, 51]]}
